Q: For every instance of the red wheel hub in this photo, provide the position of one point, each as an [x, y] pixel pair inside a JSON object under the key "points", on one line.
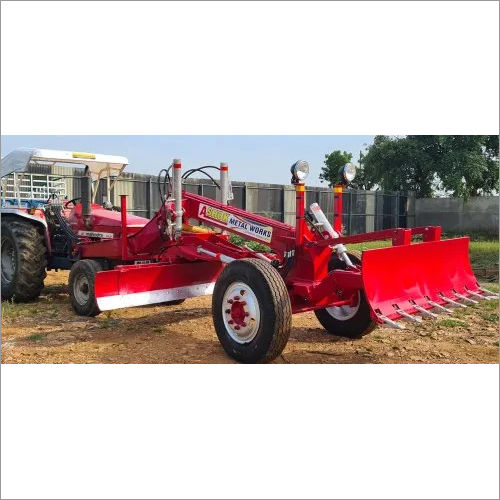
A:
{"points": [[238, 313]]}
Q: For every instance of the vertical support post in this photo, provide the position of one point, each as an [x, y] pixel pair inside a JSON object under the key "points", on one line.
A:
{"points": [[337, 208], [123, 208], [86, 199], [397, 209], [283, 203], [108, 185], [115, 185], [149, 198], [402, 237], [349, 229], [16, 190], [432, 233], [177, 168], [369, 211], [300, 191], [224, 183]]}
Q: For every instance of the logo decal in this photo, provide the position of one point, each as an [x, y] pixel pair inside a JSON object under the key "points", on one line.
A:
{"points": [[95, 234], [238, 224]]}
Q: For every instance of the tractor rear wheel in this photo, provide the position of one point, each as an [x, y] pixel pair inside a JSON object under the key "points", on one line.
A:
{"points": [[347, 321], [251, 311], [82, 287], [23, 259]]}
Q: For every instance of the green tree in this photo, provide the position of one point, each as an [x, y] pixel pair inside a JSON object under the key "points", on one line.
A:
{"points": [[463, 166], [333, 162]]}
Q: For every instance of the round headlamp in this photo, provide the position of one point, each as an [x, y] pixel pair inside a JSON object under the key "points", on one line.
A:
{"points": [[347, 173], [300, 170]]}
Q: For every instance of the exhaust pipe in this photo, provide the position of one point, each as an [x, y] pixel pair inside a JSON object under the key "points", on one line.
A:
{"points": [[86, 199]]}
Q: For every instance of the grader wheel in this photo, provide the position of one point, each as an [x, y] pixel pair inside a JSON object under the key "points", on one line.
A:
{"points": [[251, 311], [82, 287], [347, 321]]}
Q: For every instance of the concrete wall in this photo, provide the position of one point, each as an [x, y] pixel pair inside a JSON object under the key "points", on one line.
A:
{"points": [[477, 215]]}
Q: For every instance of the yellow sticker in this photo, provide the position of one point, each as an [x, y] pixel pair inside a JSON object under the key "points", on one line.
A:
{"points": [[88, 156], [214, 214]]}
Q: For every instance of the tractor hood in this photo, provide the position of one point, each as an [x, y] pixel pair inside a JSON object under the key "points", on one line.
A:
{"points": [[104, 220]]}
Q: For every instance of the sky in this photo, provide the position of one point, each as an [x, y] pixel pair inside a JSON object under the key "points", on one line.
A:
{"points": [[254, 158]]}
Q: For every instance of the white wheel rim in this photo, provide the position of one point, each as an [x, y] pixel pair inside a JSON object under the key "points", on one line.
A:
{"points": [[81, 289], [343, 313], [241, 312]]}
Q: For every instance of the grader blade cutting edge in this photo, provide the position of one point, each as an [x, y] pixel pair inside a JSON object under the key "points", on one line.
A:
{"points": [[404, 280]]}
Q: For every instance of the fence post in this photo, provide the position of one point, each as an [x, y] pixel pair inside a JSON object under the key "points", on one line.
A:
{"points": [[149, 198], [251, 197], [289, 205], [349, 231], [283, 203], [411, 210], [397, 210], [370, 211]]}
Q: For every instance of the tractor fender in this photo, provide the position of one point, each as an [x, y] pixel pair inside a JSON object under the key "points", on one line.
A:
{"points": [[37, 219]]}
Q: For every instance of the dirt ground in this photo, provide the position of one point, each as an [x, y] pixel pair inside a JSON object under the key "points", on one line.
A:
{"points": [[47, 331]]}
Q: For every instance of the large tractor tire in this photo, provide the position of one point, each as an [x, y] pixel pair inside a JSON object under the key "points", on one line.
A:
{"points": [[82, 287], [23, 259], [347, 321], [251, 311]]}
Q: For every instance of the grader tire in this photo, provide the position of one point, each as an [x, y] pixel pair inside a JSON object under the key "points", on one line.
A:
{"points": [[352, 323], [255, 326], [82, 287], [23, 260]]}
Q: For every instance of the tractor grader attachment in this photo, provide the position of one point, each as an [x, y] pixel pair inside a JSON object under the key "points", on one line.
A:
{"points": [[186, 250], [296, 269]]}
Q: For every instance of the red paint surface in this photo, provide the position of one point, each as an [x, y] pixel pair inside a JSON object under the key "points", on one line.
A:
{"points": [[398, 274], [150, 277]]}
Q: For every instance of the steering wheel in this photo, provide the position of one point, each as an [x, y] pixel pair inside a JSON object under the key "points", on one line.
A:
{"points": [[74, 200]]}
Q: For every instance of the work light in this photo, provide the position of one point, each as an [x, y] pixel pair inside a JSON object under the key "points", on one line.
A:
{"points": [[347, 173], [300, 170]]}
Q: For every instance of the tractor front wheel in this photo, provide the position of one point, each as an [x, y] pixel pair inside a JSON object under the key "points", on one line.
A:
{"points": [[82, 287], [251, 311]]}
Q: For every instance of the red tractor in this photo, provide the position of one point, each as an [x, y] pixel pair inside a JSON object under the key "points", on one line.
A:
{"points": [[117, 260]]}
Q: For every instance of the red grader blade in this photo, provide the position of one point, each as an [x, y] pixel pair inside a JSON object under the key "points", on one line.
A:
{"points": [[129, 286], [408, 280]]}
